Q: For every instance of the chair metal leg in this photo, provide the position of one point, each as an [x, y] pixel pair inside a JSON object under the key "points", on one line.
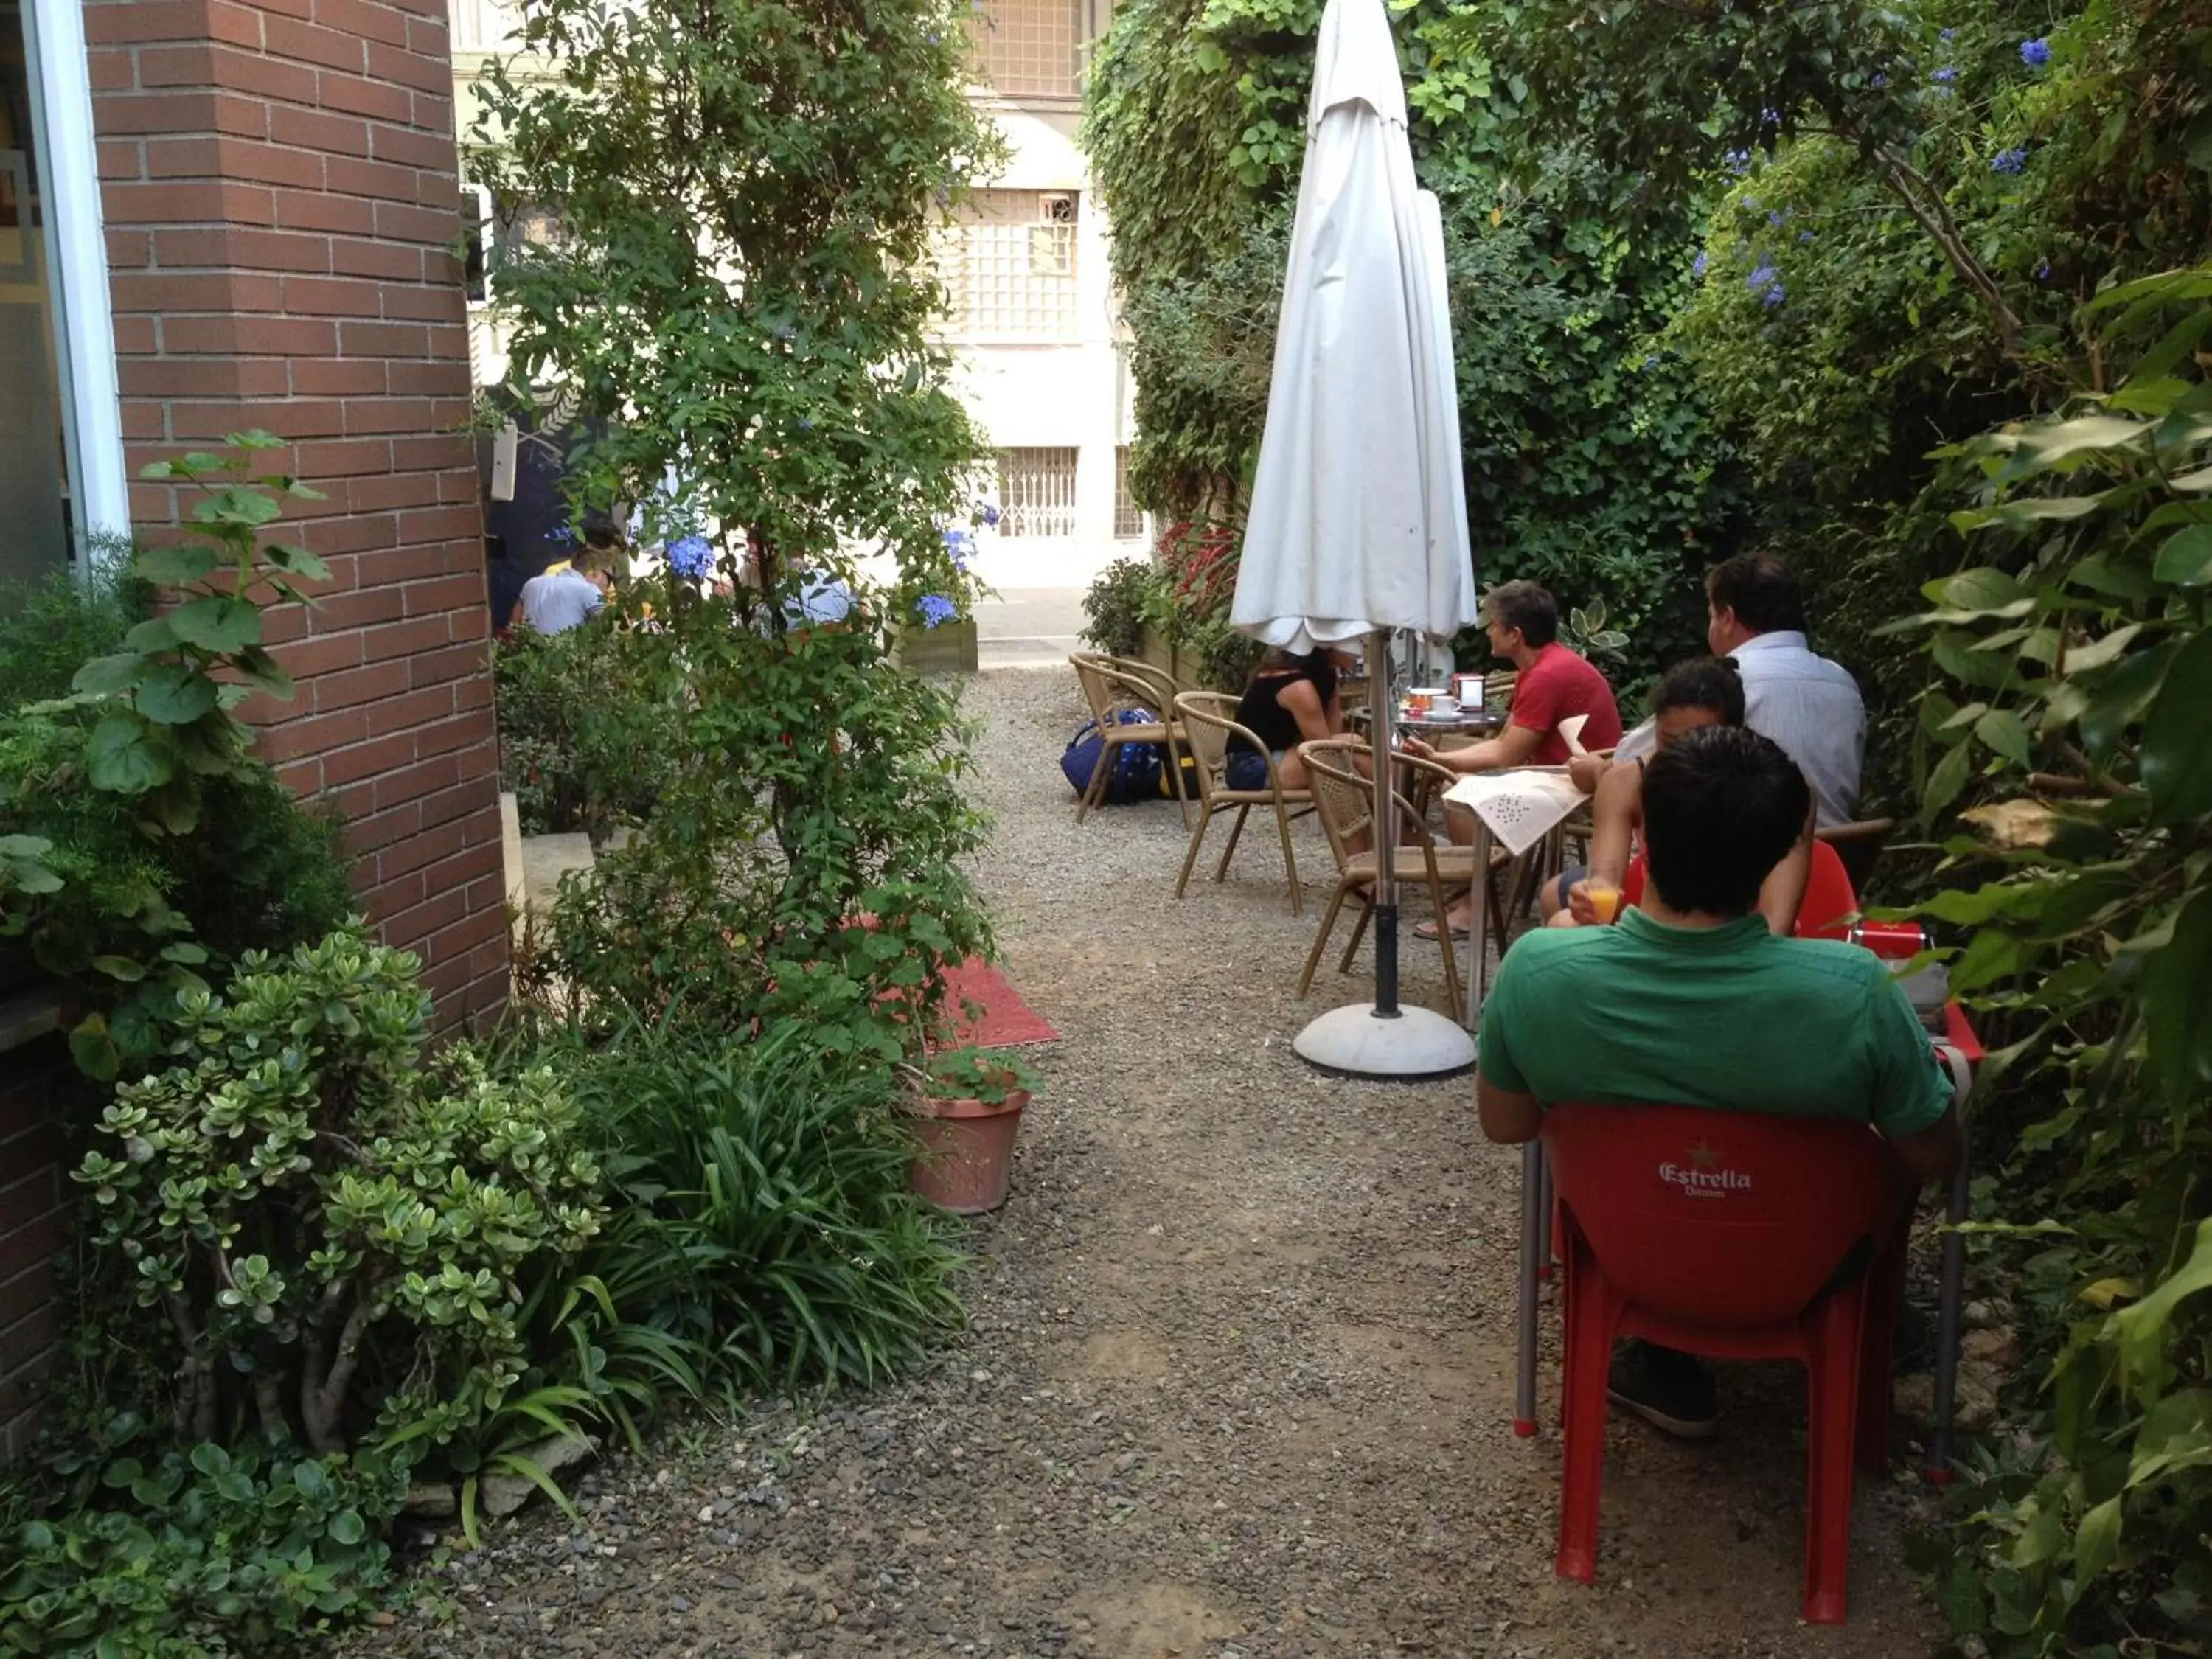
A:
{"points": [[1524, 1375], [1197, 839], [1360, 932], [1951, 1285], [1095, 790], [1321, 939], [1175, 771], [1290, 859], [1454, 1004], [1221, 870]]}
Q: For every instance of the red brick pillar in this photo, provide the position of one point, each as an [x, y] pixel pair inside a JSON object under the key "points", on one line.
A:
{"points": [[279, 185]]}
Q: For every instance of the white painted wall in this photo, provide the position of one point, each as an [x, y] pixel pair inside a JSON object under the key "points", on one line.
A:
{"points": [[1064, 395]]}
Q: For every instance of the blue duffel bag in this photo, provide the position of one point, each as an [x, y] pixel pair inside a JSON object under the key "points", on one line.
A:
{"points": [[1136, 771]]}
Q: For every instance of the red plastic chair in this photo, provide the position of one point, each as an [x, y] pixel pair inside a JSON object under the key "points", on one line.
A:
{"points": [[1740, 1236], [1828, 895]]}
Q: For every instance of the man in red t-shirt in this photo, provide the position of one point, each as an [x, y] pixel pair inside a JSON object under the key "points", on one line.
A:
{"points": [[1554, 684]]}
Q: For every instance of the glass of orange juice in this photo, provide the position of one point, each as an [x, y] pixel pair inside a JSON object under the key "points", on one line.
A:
{"points": [[1605, 899]]}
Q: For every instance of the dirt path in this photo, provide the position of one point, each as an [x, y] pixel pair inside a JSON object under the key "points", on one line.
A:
{"points": [[1238, 1380]]}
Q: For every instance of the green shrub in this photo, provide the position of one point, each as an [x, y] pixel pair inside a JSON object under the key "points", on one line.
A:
{"points": [[585, 723], [762, 1222], [803, 866], [327, 1233], [178, 1553], [2074, 672], [108, 882], [50, 628], [1114, 607]]}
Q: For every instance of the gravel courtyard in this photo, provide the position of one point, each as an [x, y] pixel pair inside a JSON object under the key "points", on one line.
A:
{"points": [[1238, 1377]]}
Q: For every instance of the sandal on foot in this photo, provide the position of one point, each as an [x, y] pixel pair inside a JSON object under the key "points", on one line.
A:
{"points": [[1428, 930]]}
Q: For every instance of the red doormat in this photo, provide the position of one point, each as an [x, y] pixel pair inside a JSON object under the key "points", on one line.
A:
{"points": [[1007, 1022]]}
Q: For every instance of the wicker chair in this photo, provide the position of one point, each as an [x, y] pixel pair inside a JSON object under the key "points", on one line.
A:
{"points": [[1346, 803], [1208, 726], [1109, 691]]}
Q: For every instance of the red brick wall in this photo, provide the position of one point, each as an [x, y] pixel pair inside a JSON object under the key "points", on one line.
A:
{"points": [[279, 182], [35, 1079]]}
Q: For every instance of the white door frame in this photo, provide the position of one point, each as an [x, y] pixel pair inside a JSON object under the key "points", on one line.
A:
{"points": [[84, 331]]}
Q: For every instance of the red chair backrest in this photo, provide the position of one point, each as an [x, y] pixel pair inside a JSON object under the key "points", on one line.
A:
{"points": [[1727, 1219], [1829, 900]]}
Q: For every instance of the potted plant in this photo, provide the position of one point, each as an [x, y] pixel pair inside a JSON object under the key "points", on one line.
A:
{"points": [[965, 1118]]}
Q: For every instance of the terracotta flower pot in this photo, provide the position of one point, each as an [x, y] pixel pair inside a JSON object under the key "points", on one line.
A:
{"points": [[966, 1160]]}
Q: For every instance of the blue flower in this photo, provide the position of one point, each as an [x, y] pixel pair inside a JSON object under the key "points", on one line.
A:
{"points": [[935, 608], [1877, 82], [2008, 160], [1774, 219], [2043, 271], [990, 516], [1737, 160], [1769, 117], [1804, 235], [1697, 264], [692, 557], [961, 545], [1774, 295], [1946, 35], [1651, 362], [1945, 75], [561, 534], [1761, 276], [2035, 53]]}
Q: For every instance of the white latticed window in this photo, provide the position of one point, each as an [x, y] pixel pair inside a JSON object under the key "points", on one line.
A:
{"points": [[485, 25], [1128, 522], [1036, 492], [1007, 260], [1026, 48]]}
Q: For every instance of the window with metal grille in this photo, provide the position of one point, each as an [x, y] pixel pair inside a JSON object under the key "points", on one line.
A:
{"points": [[1128, 521], [1027, 48], [1036, 492], [1008, 261]]}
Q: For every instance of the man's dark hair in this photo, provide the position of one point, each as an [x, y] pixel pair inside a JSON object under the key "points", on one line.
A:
{"points": [[1760, 589], [603, 536], [1529, 608], [1721, 804], [1703, 683]]}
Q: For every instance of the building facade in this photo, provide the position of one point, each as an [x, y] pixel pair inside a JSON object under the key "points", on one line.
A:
{"points": [[1032, 322], [221, 214]]}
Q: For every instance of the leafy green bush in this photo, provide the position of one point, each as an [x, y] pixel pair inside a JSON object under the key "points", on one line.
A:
{"points": [[763, 1228], [304, 1206], [1114, 607], [50, 628], [177, 1554], [104, 885], [2074, 671], [804, 865], [585, 719]]}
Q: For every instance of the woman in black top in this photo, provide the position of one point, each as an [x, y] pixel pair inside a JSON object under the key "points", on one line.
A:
{"points": [[1289, 699]]}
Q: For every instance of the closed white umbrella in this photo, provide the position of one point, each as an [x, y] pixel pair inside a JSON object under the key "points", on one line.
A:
{"points": [[1359, 519]]}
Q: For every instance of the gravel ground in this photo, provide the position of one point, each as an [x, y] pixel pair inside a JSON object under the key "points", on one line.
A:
{"points": [[1238, 1379]]}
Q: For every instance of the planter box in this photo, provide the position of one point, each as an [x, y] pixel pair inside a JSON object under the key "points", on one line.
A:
{"points": [[948, 649], [1172, 660]]}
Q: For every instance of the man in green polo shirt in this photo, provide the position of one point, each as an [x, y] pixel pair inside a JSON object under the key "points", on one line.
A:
{"points": [[1692, 1001]]}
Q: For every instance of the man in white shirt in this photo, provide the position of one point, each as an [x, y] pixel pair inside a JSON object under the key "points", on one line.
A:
{"points": [[562, 600], [1807, 704], [1755, 615]]}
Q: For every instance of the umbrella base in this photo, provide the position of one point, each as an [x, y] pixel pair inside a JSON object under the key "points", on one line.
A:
{"points": [[1354, 1041]]}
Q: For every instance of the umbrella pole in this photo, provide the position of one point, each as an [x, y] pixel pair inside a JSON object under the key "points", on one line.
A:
{"points": [[1379, 1039], [1386, 826]]}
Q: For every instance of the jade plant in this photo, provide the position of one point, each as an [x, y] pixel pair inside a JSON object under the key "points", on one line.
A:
{"points": [[332, 1230]]}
